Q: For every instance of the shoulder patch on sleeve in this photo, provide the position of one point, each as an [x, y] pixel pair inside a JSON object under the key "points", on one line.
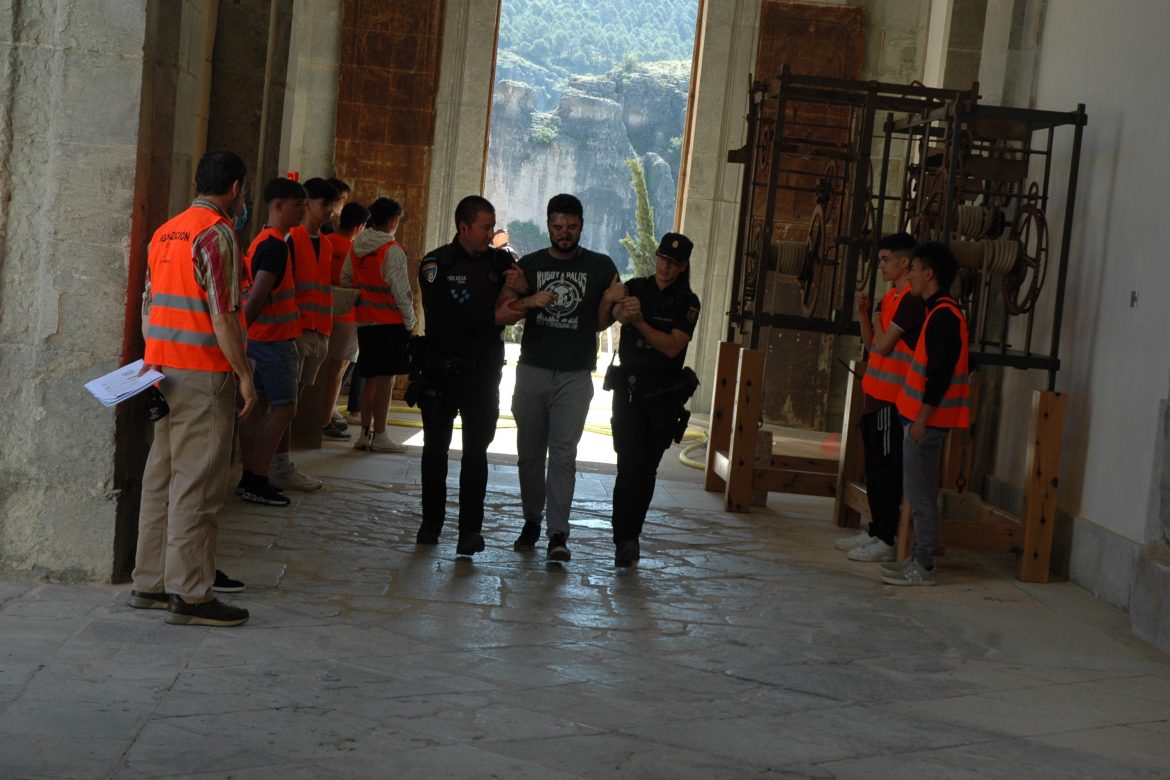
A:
{"points": [[429, 269], [692, 314]]}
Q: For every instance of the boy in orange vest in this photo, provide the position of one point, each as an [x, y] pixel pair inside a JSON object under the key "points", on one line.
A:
{"points": [[935, 398], [311, 258], [273, 327], [890, 335], [343, 342]]}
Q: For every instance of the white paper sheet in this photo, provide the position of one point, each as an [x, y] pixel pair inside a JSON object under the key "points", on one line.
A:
{"points": [[122, 383]]}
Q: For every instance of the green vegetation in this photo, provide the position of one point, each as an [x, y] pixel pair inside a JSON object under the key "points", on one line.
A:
{"points": [[544, 127], [642, 248], [597, 36], [526, 236]]}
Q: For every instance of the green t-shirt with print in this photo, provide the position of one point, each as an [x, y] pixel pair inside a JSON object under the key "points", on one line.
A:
{"points": [[563, 335]]}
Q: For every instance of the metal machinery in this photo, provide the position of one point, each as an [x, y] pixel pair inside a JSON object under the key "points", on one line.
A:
{"points": [[976, 177]]}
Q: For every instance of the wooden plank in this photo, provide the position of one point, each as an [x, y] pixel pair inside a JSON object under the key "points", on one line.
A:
{"points": [[744, 426], [819, 465], [1001, 536], [804, 483], [722, 403], [905, 541], [763, 460], [851, 463], [1039, 518], [720, 464], [857, 498]]}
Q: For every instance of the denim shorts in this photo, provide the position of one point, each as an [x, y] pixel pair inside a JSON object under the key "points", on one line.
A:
{"points": [[275, 368]]}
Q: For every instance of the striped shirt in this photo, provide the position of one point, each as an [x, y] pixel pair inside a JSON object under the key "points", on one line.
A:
{"points": [[215, 254]]}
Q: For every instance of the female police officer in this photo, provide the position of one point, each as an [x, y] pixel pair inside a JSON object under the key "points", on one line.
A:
{"points": [[658, 315]]}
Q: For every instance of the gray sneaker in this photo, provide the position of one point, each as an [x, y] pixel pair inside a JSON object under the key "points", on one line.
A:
{"points": [[914, 574], [896, 565]]}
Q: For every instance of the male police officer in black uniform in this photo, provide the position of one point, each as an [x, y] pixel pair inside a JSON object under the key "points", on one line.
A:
{"points": [[658, 315], [467, 299]]}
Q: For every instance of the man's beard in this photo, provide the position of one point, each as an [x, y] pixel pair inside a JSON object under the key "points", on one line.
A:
{"points": [[573, 244]]}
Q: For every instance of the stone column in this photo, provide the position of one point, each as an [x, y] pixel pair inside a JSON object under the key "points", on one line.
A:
{"points": [[709, 205], [311, 99], [462, 111], [70, 80]]}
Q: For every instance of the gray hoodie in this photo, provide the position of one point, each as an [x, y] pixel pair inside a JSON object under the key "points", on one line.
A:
{"points": [[394, 270]]}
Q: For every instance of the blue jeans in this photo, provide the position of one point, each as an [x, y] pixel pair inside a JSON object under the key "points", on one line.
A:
{"points": [[920, 466], [275, 370]]}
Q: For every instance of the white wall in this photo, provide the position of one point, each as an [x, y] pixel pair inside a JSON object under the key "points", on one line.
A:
{"points": [[1115, 358]]}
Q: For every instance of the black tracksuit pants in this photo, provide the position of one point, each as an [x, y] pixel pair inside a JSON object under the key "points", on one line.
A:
{"points": [[881, 435]]}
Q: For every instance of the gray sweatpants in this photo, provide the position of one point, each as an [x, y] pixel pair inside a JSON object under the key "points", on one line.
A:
{"points": [[550, 409], [920, 465]]}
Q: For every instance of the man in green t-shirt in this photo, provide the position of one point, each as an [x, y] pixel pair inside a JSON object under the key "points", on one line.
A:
{"points": [[554, 382]]}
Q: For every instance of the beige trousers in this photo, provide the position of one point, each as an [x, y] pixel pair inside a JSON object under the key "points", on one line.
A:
{"points": [[183, 485]]}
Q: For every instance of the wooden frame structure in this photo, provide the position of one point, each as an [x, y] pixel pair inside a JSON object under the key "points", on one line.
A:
{"points": [[736, 414]]}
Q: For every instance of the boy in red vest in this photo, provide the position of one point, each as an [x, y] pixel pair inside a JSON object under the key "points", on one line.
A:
{"points": [[273, 327], [378, 266], [343, 342], [311, 263], [935, 398], [890, 335]]}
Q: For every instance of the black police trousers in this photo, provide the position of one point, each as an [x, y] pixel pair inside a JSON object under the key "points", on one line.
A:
{"points": [[642, 431], [881, 436], [475, 395]]}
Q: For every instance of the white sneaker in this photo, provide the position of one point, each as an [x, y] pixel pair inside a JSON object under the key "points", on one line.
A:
{"points": [[874, 552], [858, 539], [294, 480], [354, 418], [380, 442]]}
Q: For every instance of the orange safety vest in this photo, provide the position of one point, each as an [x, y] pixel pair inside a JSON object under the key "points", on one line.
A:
{"points": [[885, 374], [311, 271], [340, 246], [180, 334], [375, 303], [280, 319], [954, 410]]}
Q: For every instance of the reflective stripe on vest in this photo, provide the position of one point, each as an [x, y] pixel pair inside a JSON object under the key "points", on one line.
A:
{"points": [[954, 409], [180, 332], [339, 247], [885, 374], [280, 319], [311, 271], [375, 304]]}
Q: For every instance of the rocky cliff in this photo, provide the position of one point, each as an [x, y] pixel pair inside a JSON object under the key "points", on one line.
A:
{"points": [[581, 145]]}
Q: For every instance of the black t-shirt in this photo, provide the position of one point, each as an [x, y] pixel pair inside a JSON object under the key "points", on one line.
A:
{"points": [[675, 308], [563, 335], [459, 294], [944, 344], [272, 256]]}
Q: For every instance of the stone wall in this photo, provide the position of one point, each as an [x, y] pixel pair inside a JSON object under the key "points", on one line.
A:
{"points": [[70, 77]]}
